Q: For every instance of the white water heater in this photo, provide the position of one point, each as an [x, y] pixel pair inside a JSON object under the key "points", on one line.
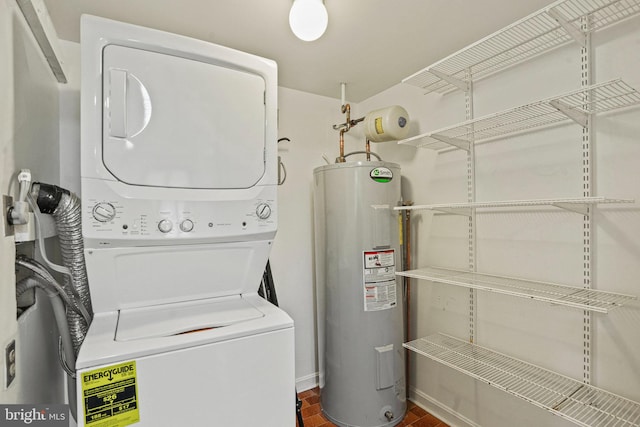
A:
{"points": [[360, 300]]}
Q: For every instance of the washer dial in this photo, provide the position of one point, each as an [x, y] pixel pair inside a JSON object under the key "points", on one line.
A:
{"points": [[104, 212]]}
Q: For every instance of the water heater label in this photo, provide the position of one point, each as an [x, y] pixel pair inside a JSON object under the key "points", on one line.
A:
{"points": [[379, 275], [110, 396], [379, 128], [381, 174]]}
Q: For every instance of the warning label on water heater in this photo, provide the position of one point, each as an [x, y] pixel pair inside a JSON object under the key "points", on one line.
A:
{"points": [[379, 274]]}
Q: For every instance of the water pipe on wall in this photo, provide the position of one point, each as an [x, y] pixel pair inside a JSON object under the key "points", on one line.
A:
{"points": [[385, 124]]}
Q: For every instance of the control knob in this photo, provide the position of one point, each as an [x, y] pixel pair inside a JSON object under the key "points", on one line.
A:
{"points": [[263, 211], [186, 225], [104, 212], [165, 225]]}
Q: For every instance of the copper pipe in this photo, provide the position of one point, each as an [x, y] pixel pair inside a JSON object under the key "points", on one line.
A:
{"points": [[344, 128], [368, 150], [346, 108], [341, 159]]}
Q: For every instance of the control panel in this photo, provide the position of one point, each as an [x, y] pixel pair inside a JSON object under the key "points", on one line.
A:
{"points": [[112, 221]]}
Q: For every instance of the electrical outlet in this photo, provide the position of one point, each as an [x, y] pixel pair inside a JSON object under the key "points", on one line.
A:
{"points": [[10, 363]]}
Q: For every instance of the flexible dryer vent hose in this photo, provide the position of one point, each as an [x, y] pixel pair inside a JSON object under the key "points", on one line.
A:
{"points": [[64, 206]]}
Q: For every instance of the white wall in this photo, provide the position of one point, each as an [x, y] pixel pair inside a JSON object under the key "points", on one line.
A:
{"points": [[306, 120], [8, 325], [542, 244], [70, 118], [28, 139]]}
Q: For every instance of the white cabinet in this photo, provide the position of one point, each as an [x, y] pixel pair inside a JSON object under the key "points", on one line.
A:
{"points": [[562, 22]]}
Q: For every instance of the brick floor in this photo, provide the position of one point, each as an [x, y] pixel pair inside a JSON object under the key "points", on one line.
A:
{"points": [[312, 414]]}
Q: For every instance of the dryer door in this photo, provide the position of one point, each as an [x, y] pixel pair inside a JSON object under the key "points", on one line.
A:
{"points": [[176, 122]]}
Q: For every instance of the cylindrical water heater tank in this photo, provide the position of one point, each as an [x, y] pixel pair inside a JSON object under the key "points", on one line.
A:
{"points": [[359, 298]]}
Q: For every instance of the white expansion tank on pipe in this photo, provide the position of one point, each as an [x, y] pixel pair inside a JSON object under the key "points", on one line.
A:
{"points": [[386, 124]]}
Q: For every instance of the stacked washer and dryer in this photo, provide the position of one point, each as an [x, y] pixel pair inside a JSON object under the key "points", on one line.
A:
{"points": [[179, 182]]}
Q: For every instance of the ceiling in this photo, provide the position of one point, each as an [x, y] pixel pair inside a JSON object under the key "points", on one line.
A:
{"points": [[370, 45]]}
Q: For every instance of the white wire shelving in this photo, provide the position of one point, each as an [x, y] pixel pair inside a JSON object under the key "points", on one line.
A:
{"points": [[542, 31], [577, 106], [561, 23], [573, 400], [576, 204], [569, 296]]}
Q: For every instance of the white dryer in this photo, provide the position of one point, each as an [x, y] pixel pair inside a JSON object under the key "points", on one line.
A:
{"points": [[179, 182]]}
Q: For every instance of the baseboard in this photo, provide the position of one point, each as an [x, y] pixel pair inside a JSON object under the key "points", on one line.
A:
{"points": [[439, 410], [307, 382]]}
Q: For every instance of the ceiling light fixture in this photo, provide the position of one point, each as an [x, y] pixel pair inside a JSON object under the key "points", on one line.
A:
{"points": [[308, 19]]}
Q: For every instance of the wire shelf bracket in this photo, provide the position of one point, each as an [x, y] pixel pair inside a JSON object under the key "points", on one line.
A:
{"points": [[570, 399], [461, 84], [578, 116], [575, 33]]}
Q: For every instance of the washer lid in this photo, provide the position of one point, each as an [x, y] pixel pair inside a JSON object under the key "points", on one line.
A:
{"points": [[183, 318], [174, 122]]}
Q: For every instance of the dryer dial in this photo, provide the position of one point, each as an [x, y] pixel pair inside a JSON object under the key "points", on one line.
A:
{"points": [[263, 211], [104, 212], [186, 225]]}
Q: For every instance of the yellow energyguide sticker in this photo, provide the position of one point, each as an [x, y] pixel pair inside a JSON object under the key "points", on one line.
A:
{"points": [[111, 396]]}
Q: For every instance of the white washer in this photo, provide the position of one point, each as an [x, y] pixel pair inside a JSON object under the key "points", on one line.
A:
{"points": [[179, 182]]}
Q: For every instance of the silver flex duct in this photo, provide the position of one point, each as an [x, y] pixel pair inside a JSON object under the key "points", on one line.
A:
{"points": [[64, 206]]}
